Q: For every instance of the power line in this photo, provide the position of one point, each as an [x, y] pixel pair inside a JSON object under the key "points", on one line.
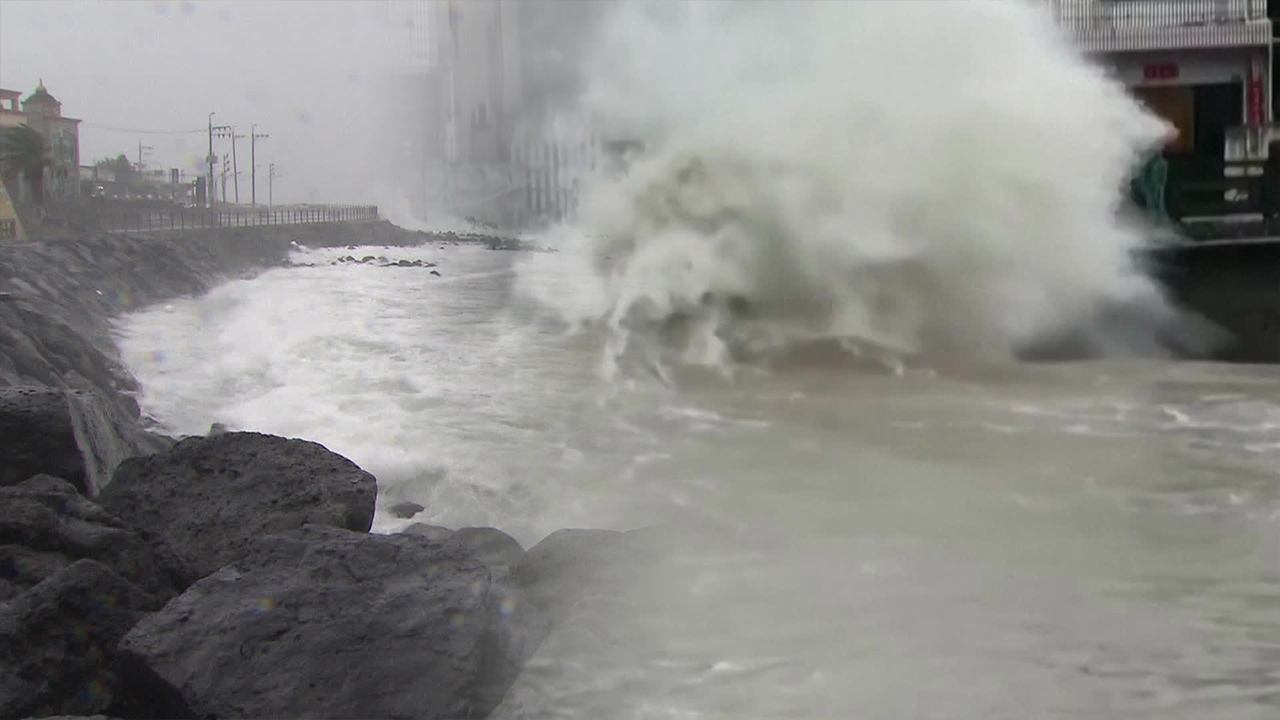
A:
{"points": [[96, 126]]}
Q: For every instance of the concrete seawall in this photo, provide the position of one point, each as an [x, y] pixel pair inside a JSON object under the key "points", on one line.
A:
{"points": [[58, 299], [1234, 284]]}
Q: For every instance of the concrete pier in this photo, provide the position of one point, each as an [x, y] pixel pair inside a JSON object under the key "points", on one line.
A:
{"points": [[1233, 283]]}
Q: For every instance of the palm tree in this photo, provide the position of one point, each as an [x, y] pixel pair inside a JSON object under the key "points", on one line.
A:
{"points": [[23, 153]]}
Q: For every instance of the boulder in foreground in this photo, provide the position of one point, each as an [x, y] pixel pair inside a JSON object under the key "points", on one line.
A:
{"points": [[58, 641], [45, 526], [212, 497], [493, 547], [586, 666], [565, 567], [71, 434], [321, 622]]}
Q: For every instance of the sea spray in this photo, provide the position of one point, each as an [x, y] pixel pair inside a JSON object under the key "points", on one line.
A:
{"points": [[929, 177]]}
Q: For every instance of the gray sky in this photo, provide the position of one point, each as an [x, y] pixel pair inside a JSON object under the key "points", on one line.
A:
{"points": [[307, 71]]}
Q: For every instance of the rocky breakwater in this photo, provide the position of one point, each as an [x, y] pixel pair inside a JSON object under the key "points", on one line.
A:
{"points": [[66, 401], [234, 575]]}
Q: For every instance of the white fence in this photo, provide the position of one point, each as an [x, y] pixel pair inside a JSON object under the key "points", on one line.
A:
{"points": [[1130, 25]]}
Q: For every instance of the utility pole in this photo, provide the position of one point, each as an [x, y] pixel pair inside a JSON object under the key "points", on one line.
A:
{"points": [[211, 158], [253, 162], [141, 148], [224, 177], [271, 178], [235, 166]]}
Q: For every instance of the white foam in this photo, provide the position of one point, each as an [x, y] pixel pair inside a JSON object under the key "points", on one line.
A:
{"points": [[930, 176]]}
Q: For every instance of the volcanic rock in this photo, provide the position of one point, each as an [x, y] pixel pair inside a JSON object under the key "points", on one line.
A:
{"points": [[322, 622], [71, 434], [45, 526], [58, 641], [212, 497]]}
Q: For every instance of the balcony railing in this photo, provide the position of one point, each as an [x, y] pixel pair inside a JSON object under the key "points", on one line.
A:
{"points": [[1158, 13], [1130, 25]]}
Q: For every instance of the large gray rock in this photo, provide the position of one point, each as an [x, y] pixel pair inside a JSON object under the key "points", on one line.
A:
{"points": [[405, 510], [71, 434], [45, 526], [596, 611], [435, 532], [493, 547], [549, 579], [568, 565], [212, 497], [58, 640], [320, 622], [78, 717], [588, 666], [38, 347]]}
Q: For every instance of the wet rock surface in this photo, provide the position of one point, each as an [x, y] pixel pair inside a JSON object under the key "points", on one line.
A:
{"points": [[382, 262], [493, 547], [236, 568], [321, 622], [58, 641], [78, 717], [563, 568], [598, 639], [435, 532], [316, 621], [212, 497], [405, 510], [58, 297], [46, 526], [71, 434]]}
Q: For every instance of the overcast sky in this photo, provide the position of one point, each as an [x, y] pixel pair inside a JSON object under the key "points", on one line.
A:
{"points": [[308, 72]]}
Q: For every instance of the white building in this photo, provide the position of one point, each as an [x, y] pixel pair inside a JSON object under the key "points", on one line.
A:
{"points": [[482, 81], [1206, 67], [1166, 48], [479, 86]]}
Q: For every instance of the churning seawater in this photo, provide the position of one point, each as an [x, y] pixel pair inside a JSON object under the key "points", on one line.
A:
{"points": [[1094, 540], [958, 537]]}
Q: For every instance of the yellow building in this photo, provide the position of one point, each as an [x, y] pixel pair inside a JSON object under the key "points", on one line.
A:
{"points": [[10, 225], [43, 113]]}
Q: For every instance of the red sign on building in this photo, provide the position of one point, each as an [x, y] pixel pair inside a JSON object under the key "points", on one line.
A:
{"points": [[1161, 71], [1257, 101]]}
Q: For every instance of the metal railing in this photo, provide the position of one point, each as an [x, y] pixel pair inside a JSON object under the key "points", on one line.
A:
{"points": [[201, 219], [1132, 25], [1158, 13]]}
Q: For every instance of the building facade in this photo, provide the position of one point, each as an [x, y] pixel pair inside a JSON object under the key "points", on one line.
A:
{"points": [[10, 111], [497, 75], [1206, 67], [477, 50], [42, 112], [485, 84], [414, 149]]}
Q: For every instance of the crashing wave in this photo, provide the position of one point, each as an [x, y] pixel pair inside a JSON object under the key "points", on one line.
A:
{"points": [[929, 179]]}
